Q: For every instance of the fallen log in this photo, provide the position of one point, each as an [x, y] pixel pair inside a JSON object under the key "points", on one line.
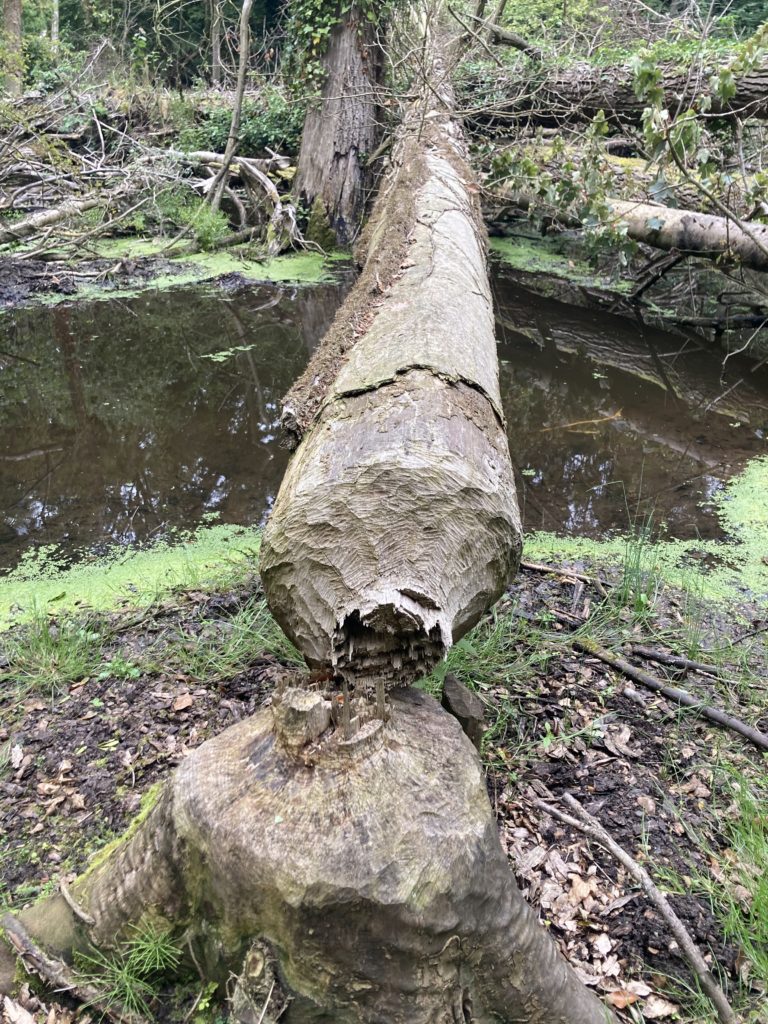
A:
{"points": [[357, 876], [38, 222], [684, 231], [577, 93], [697, 234], [397, 522]]}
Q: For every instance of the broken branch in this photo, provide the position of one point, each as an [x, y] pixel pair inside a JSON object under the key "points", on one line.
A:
{"points": [[591, 827], [682, 697]]}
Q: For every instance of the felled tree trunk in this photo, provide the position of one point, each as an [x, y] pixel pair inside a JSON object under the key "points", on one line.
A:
{"points": [[700, 234], [357, 882], [340, 131], [686, 231], [397, 523], [580, 91]]}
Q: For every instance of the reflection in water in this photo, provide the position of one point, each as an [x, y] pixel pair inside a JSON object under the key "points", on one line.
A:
{"points": [[611, 422], [120, 420]]}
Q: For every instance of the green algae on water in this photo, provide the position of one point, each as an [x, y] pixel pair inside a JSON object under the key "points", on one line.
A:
{"points": [[545, 257], [301, 268], [220, 556], [730, 571], [213, 557]]}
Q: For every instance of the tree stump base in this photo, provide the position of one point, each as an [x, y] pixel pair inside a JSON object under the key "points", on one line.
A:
{"points": [[366, 882]]}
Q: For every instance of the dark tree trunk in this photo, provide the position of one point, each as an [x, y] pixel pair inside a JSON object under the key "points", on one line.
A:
{"points": [[341, 129]]}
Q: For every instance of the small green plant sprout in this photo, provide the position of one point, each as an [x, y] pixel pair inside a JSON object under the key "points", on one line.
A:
{"points": [[151, 950], [48, 654], [640, 582], [127, 980], [119, 668]]}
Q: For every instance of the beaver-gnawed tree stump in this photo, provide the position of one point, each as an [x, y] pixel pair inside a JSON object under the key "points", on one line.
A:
{"points": [[353, 882]]}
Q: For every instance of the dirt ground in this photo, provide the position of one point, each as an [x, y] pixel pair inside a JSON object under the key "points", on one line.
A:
{"points": [[80, 762]]}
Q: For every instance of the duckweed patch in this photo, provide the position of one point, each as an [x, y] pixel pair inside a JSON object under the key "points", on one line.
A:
{"points": [[730, 571], [301, 268], [213, 557], [546, 257]]}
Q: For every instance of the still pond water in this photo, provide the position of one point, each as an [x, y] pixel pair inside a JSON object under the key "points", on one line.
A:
{"points": [[123, 420]]}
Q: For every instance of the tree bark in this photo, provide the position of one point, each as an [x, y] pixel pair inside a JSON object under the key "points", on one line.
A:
{"points": [[13, 79], [219, 183], [37, 222], [401, 496], [698, 234], [215, 43], [55, 24], [685, 231], [341, 130], [580, 91], [367, 876]]}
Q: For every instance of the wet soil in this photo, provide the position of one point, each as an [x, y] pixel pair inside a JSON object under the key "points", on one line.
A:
{"points": [[22, 280]]}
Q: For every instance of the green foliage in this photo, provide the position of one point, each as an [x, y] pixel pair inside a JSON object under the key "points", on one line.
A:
{"points": [[684, 138], [49, 654], [537, 19], [640, 581], [740, 15], [127, 979], [270, 120], [578, 188], [119, 668], [184, 210]]}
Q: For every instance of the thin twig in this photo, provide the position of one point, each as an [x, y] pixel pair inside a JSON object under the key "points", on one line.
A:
{"points": [[682, 697], [675, 660], [569, 574], [59, 975], [76, 909], [590, 826]]}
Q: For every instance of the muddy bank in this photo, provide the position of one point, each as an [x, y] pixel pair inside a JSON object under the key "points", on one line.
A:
{"points": [[130, 265]]}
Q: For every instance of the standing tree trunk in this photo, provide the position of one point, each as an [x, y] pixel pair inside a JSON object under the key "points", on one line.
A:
{"points": [[13, 78], [216, 43], [216, 190], [55, 24], [340, 131]]}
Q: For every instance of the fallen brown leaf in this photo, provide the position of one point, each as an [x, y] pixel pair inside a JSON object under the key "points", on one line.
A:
{"points": [[655, 1008]]}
